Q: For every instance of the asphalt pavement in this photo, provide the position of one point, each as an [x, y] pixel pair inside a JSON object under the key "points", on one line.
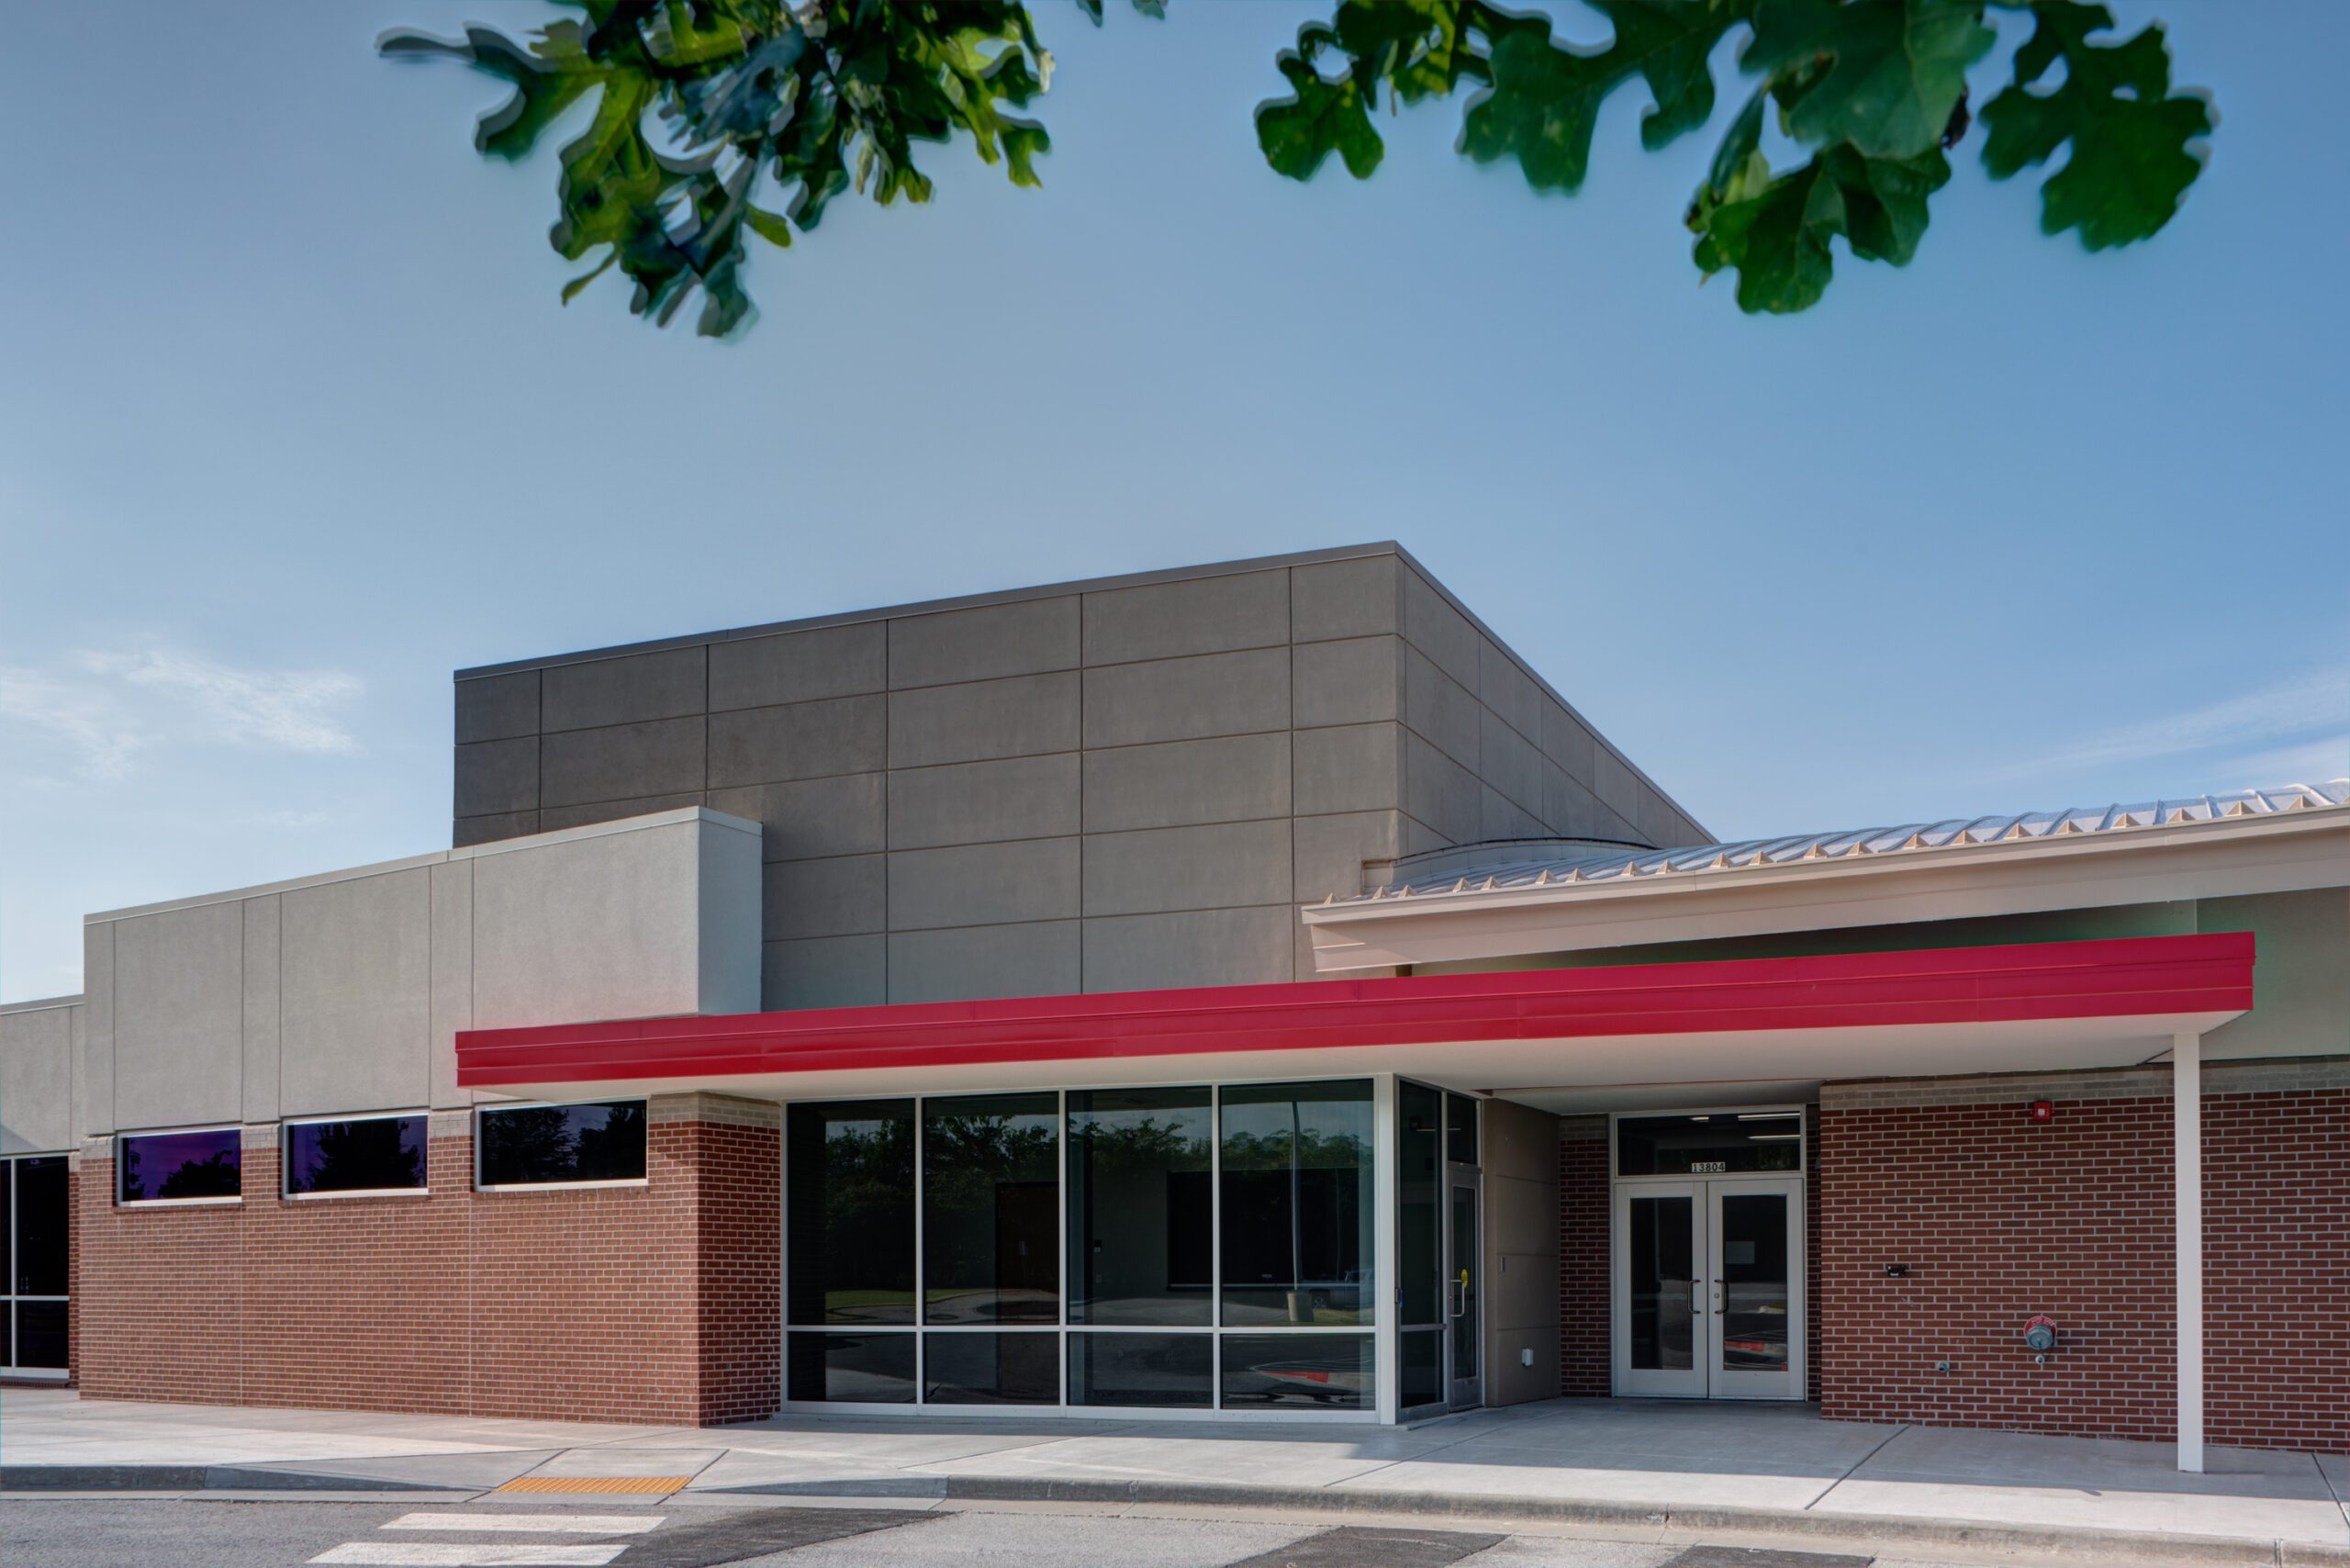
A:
{"points": [[101, 1533]]}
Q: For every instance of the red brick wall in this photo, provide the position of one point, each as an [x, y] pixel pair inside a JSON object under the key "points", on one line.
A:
{"points": [[1584, 1350], [2000, 1218], [2277, 1269], [654, 1303], [1811, 1252]]}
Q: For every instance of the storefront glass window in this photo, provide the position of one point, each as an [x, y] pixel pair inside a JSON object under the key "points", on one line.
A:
{"points": [[850, 1224], [1141, 1207], [1297, 1203], [866, 1369], [991, 1369], [1419, 1155], [1166, 1370], [33, 1217], [1051, 1248], [991, 1209], [1318, 1371]]}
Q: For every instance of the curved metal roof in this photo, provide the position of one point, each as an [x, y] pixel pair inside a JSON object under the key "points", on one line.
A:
{"points": [[1957, 833]]}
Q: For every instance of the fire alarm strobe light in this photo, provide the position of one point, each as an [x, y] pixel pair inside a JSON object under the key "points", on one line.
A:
{"points": [[2043, 1111]]}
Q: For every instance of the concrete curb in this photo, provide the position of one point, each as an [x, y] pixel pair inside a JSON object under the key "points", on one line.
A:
{"points": [[1877, 1530], [2140, 1546], [197, 1478]]}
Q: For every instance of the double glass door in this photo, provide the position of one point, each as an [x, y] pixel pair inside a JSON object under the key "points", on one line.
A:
{"points": [[1709, 1288]]}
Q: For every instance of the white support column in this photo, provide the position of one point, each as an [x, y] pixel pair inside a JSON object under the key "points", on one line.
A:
{"points": [[1386, 1344], [2187, 1165]]}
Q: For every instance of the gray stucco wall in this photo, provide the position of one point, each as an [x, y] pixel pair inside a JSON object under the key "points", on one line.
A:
{"points": [[36, 1046], [1521, 1244], [2301, 973], [345, 991], [1104, 786]]}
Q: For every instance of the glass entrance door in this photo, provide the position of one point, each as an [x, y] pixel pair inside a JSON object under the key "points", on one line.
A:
{"points": [[1659, 1321], [1756, 1235], [1709, 1288], [1463, 1350]]}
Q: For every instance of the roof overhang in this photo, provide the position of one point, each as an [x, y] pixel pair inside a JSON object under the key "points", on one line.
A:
{"points": [[2222, 859], [1612, 1029]]}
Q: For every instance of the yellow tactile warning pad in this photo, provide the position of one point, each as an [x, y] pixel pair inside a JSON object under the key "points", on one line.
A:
{"points": [[597, 1484]]}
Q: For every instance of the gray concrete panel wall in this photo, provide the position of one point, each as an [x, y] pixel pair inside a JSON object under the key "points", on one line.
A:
{"points": [[93, 1074], [37, 1076], [344, 993], [353, 973], [608, 925], [179, 1012], [265, 1008], [1092, 786], [1520, 1152]]}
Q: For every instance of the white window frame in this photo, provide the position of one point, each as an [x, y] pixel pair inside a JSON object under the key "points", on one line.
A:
{"points": [[1380, 1329], [9, 1293], [600, 1183], [122, 1137], [286, 1166]]}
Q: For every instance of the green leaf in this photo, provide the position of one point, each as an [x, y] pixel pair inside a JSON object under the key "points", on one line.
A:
{"points": [[1885, 200], [740, 91], [1777, 230], [772, 227], [548, 78], [571, 290], [1319, 119], [1884, 75], [1544, 98], [1778, 240], [2135, 147]]}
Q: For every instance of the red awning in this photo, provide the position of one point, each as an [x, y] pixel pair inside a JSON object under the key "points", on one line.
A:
{"points": [[2124, 977]]}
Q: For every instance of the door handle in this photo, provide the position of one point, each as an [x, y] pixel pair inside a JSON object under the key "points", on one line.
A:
{"points": [[1693, 1298], [1460, 1299], [1719, 1308]]}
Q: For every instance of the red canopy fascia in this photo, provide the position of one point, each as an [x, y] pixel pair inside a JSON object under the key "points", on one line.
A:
{"points": [[2127, 976]]}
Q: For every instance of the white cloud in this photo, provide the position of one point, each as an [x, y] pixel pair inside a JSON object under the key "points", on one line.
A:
{"points": [[94, 713], [90, 723], [265, 710], [2295, 720]]}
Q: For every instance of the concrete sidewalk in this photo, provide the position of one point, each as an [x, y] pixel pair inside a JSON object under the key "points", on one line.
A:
{"points": [[1759, 1467]]}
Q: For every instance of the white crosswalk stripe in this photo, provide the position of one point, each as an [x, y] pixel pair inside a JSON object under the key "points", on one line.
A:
{"points": [[572, 1524], [469, 1554]]}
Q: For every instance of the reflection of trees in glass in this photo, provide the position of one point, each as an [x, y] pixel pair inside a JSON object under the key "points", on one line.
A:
{"points": [[213, 1178], [596, 1142], [991, 1173], [527, 1144], [1115, 1148], [354, 1156], [1296, 1200], [1141, 1210], [613, 1151], [134, 1185], [868, 1217]]}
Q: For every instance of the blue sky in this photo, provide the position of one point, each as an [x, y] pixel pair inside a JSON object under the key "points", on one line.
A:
{"points": [[292, 425]]}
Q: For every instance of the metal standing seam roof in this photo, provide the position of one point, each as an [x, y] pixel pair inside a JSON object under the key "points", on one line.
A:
{"points": [[1618, 865]]}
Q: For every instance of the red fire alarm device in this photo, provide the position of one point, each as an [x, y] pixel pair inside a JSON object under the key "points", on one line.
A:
{"points": [[2043, 1111]]}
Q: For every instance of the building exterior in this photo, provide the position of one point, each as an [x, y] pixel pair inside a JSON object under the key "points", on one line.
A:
{"points": [[1240, 991]]}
